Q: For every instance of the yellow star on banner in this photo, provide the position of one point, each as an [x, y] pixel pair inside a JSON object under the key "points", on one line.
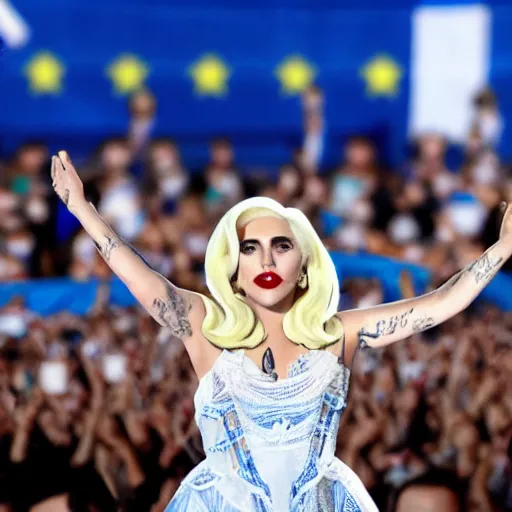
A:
{"points": [[44, 72], [382, 75], [295, 74], [210, 75], [127, 73]]}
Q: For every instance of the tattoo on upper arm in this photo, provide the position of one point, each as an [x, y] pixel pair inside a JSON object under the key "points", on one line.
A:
{"points": [[484, 268], [108, 246], [172, 311], [422, 324], [384, 327]]}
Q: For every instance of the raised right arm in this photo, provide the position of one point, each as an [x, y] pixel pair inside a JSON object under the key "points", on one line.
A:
{"points": [[180, 310]]}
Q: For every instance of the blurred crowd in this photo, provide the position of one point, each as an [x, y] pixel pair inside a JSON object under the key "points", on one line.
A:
{"points": [[97, 412], [438, 403], [420, 211]]}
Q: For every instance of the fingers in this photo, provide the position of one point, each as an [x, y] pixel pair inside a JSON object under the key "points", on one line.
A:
{"points": [[64, 159], [56, 167], [59, 162]]}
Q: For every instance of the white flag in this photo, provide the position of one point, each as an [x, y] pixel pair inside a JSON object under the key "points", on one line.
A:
{"points": [[449, 63]]}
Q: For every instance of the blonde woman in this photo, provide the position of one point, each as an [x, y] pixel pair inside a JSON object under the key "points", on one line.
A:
{"points": [[271, 351]]}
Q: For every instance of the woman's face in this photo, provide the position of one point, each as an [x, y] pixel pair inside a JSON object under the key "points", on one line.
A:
{"points": [[269, 264]]}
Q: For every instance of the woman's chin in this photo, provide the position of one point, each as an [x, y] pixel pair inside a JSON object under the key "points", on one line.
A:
{"points": [[271, 299]]}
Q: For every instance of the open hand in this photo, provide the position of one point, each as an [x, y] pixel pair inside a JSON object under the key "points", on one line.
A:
{"points": [[66, 183]]}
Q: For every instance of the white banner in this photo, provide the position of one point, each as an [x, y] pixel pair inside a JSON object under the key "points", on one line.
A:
{"points": [[449, 63]]}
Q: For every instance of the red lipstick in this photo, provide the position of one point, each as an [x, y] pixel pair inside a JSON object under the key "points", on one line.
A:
{"points": [[268, 280]]}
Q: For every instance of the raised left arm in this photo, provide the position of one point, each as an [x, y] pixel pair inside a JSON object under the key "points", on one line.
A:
{"points": [[387, 323]]}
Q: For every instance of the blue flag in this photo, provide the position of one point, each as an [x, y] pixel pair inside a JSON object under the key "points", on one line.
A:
{"points": [[237, 69]]}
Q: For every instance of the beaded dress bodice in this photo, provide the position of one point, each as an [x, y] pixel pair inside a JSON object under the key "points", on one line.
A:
{"points": [[270, 444]]}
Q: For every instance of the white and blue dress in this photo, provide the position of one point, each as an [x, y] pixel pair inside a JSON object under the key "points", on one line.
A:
{"points": [[270, 444]]}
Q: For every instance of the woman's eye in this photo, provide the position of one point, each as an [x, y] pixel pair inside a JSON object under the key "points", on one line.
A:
{"points": [[248, 249], [284, 247]]}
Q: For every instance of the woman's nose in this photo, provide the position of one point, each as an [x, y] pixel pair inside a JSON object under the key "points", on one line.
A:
{"points": [[267, 259]]}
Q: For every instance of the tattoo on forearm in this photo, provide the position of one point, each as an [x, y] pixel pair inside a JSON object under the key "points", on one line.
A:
{"points": [[384, 327], [107, 247], [65, 197], [484, 268], [172, 311], [112, 243], [422, 324]]}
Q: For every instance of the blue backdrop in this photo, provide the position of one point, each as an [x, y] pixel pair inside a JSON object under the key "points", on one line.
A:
{"points": [[81, 39], [85, 38]]}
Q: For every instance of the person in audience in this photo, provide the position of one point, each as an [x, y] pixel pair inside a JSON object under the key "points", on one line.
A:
{"points": [[437, 491]]}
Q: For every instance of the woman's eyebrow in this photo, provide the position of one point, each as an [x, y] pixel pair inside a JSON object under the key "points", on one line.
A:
{"points": [[275, 240], [281, 239], [249, 241]]}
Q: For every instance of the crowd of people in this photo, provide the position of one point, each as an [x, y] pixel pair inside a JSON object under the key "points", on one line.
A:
{"points": [[439, 402], [117, 431]]}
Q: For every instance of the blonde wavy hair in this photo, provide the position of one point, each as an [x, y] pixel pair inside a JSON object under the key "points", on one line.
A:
{"points": [[230, 322]]}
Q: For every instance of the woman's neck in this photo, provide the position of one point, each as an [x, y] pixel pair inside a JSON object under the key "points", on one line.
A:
{"points": [[271, 318]]}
